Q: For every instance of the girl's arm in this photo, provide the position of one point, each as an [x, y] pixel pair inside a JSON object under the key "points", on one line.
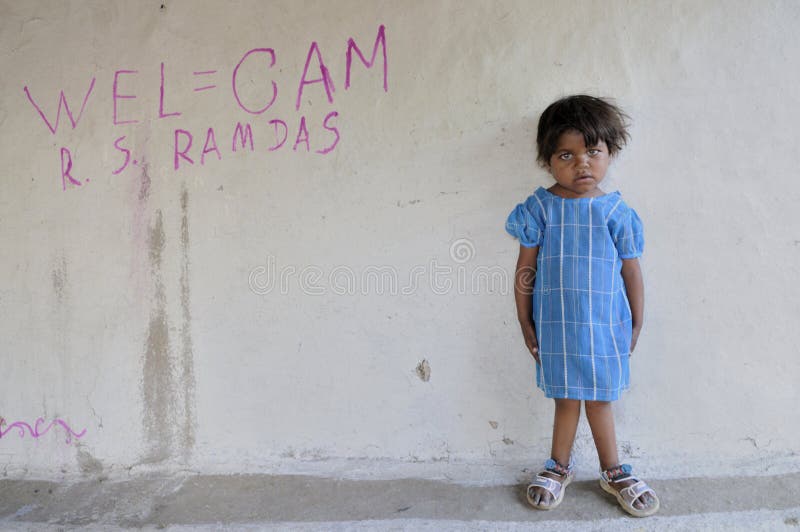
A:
{"points": [[523, 289], [632, 275]]}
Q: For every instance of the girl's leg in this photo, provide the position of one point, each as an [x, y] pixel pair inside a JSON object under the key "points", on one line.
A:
{"points": [[601, 421], [565, 425]]}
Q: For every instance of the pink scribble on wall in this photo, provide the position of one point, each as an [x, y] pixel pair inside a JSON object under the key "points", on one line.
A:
{"points": [[353, 47], [36, 430], [271, 53], [66, 169], [325, 78], [115, 95], [62, 102], [204, 73], [161, 113], [326, 125], [182, 153]]}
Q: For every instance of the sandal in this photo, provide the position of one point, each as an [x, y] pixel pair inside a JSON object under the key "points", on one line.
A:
{"points": [[554, 487], [629, 494]]}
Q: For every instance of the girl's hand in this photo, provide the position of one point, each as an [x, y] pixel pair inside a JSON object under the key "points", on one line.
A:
{"points": [[634, 338], [529, 333]]}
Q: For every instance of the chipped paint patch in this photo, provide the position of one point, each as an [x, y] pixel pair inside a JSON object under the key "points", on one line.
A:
{"points": [[88, 464], [424, 371]]}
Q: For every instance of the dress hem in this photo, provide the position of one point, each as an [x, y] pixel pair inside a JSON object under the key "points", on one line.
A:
{"points": [[599, 397]]}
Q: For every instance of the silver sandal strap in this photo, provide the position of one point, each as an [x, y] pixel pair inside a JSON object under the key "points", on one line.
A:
{"points": [[634, 491], [551, 485]]}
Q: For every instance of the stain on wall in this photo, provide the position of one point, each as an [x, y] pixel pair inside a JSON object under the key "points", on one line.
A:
{"points": [[59, 277], [60, 334], [187, 381], [139, 198], [158, 392], [168, 380]]}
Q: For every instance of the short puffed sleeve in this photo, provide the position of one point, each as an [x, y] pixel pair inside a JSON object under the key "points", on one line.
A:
{"points": [[626, 231], [526, 223]]}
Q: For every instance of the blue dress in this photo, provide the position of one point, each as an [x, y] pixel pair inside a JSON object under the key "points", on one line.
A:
{"points": [[580, 308]]}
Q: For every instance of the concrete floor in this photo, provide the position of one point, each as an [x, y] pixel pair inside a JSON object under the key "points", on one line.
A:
{"points": [[294, 502]]}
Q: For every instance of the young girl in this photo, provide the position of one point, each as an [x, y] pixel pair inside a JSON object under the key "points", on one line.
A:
{"points": [[579, 249]]}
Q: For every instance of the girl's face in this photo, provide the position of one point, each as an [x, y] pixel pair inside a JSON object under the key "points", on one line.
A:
{"points": [[578, 169]]}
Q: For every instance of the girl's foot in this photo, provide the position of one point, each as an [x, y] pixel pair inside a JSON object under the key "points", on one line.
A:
{"points": [[547, 490], [634, 495]]}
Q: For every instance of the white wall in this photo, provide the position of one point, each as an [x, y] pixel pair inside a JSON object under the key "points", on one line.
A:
{"points": [[127, 304]]}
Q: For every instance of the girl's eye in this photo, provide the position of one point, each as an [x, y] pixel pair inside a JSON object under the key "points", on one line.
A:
{"points": [[565, 156], [594, 151]]}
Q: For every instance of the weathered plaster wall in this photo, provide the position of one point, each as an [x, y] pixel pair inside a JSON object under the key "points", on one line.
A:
{"points": [[141, 308]]}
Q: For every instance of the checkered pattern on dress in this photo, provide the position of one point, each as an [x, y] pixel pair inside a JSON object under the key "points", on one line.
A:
{"points": [[580, 308]]}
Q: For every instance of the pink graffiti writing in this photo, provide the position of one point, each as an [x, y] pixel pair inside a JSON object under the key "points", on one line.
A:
{"points": [[183, 141], [161, 113], [62, 101], [269, 51], [117, 96], [66, 168], [352, 46], [205, 73], [36, 430], [324, 72], [303, 133]]}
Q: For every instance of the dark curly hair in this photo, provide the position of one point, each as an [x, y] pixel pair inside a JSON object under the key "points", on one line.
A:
{"points": [[596, 118]]}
